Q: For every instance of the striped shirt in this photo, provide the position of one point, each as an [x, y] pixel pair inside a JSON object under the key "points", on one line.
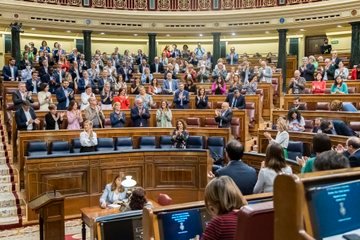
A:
{"points": [[222, 227]]}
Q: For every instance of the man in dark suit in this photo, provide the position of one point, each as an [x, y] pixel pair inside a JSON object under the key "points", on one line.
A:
{"points": [[335, 60], [140, 114], [64, 95], [352, 152], [329, 70], [336, 127], [307, 70], [33, 84], [243, 175], [126, 71], [224, 116], [20, 96], [143, 65], [181, 98], [26, 118], [326, 47], [44, 72], [10, 71], [157, 66], [236, 100]]}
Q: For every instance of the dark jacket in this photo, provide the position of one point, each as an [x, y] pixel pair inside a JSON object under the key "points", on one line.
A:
{"points": [[243, 175], [61, 98], [117, 120], [7, 73], [21, 120], [18, 101], [239, 103], [184, 104], [308, 73], [139, 121], [224, 120], [201, 103], [160, 68]]}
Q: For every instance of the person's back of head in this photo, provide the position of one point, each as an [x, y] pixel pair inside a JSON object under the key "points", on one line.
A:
{"points": [[325, 126], [321, 143], [234, 150], [137, 199], [274, 158], [336, 105], [330, 160], [222, 196]]}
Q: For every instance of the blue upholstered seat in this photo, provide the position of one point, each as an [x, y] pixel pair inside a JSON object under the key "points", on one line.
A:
{"points": [[123, 143], [216, 146], [37, 148], [105, 145], [295, 149], [165, 142], [147, 142], [76, 145], [195, 142], [60, 147]]}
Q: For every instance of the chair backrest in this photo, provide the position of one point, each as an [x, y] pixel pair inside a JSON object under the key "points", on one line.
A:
{"points": [[256, 221], [302, 106], [38, 148], [250, 110], [309, 125], [147, 142], [124, 143], [105, 145], [352, 90], [355, 126], [75, 145], [107, 123], [295, 149], [195, 142], [60, 147], [307, 91], [165, 142], [210, 122], [216, 146], [235, 127], [193, 122], [325, 106]]}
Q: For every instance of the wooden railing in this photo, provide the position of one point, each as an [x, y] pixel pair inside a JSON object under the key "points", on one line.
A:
{"points": [[175, 5]]}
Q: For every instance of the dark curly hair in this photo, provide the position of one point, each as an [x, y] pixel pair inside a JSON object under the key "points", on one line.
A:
{"points": [[291, 112], [138, 199]]}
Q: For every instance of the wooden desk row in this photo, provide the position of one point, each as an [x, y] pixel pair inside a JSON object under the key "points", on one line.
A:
{"points": [[312, 99], [304, 137], [177, 114], [81, 179]]}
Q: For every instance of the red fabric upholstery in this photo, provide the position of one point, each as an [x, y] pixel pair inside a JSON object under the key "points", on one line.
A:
{"points": [[309, 124], [250, 110], [352, 90], [256, 221], [210, 122], [355, 126], [107, 123], [164, 199], [193, 122], [235, 127], [324, 106]]}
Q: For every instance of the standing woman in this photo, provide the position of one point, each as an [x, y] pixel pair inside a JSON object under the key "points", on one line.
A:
{"points": [[106, 97], [119, 83], [44, 46], [282, 136], [180, 135], [88, 138], [318, 86], [339, 86], [223, 200], [218, 87], [44, 97], [117, 118], [53, 119], [74, 116], [201, 99], [295, 121], [163, 115], [134, 89], [251, 86], [123, 99], [155, 87], [273, 165], [146, 77], [147, 98]]}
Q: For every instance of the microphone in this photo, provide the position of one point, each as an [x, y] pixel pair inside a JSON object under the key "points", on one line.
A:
{"points": [[47, 184]]}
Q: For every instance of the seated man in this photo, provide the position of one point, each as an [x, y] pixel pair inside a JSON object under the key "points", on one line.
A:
{"points": [[297, 83], [336, 127], [140, 114], [25, 117], [20, 96], [181, 98], [236, 100], [243, 175], [352, 151], [170, 84], [94, 114], [223, 116]]}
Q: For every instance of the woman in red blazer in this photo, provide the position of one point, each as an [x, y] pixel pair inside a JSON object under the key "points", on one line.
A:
{"points": [[319, 85]]}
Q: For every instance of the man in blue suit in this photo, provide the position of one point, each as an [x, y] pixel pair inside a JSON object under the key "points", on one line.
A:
{"points": [[236, 100], [10, 71], [352, 151], [232, 57], [140, 114], [170, 84], [33, 84], [336, 127], [64, 95], [243, 175], [181, 98]]}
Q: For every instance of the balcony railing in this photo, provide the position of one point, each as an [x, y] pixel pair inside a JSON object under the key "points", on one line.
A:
{"points": [[175, 5]]}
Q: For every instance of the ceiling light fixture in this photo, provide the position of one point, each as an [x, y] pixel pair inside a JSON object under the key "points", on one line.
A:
{"points": [[200, 34], [233, 34], [303, 30], [135, 34], [102, 33]]}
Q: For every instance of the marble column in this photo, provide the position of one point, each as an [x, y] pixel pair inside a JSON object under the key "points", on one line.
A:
{"points": [[355, 44], [216, 47], [152, 47], [282, 55], [87, 46], [15, 41]]}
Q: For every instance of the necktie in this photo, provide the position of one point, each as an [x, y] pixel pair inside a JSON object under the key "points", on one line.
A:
{"points": [[234, 102], [156, 67]]}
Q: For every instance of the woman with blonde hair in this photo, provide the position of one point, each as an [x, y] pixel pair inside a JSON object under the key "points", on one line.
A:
{"points": [[163, 115], [223, 199], [114, 192], [282, 136]]}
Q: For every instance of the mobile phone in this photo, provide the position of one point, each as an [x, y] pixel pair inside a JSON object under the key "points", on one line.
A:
{"points": [[352, 236]]}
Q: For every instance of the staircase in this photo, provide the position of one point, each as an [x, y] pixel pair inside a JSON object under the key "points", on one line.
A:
{"points": [[10, 207]]}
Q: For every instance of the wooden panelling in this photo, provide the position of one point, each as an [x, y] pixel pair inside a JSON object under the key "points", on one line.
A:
{"points": [[351, 83]]}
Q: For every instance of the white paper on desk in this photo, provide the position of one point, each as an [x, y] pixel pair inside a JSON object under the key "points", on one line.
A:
{"points": [[116, 206]]}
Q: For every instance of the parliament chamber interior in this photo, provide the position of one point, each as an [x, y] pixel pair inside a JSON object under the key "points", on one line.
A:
{"points": [[180, 119]]}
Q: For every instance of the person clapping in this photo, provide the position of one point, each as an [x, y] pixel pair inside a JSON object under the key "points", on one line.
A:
{"points": [[88, 138], [53, 119], [163, 115], [180, 135]]}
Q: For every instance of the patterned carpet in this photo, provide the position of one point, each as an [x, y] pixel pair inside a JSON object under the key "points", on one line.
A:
{"points": [[10, 211]]}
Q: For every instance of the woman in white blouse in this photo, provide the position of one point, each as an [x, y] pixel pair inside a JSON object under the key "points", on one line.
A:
{"points": [[273, 165], [342, 71], [295, 121], [282, 136], [88, 138], [85, 96], [44, 97]]}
